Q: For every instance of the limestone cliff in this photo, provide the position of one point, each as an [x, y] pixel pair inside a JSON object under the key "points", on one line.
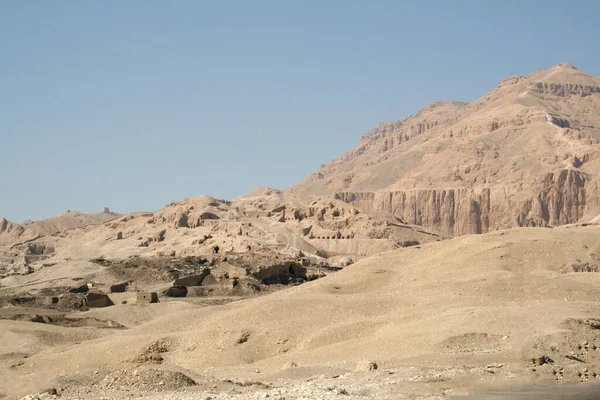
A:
{"points": [[561, 199], [525, 154]]}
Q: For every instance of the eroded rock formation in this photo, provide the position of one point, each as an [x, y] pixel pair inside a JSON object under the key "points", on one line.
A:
{"points": [[560, 199], [525, 154]]}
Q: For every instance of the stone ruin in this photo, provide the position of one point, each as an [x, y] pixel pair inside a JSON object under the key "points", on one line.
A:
{"points": [[98, 300], [146, 297]]}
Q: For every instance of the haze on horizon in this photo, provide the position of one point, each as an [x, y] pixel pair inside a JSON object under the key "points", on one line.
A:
{"points": [[134, 105]]}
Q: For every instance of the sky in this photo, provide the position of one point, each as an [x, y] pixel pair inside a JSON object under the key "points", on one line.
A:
{"points": [[135, 104]]}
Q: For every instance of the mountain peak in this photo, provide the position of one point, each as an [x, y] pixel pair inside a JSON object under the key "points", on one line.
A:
{"points": [[565, 73], [514, 146], [564, 64]]}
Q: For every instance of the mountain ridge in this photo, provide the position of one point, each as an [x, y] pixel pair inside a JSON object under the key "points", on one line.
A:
{"points": [[513, 143]]}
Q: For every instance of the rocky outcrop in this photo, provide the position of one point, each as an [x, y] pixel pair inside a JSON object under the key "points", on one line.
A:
{"points": [[10, 228], [560, 199], [389, 135], [563, 197], [181, 220], [561, 90], [524, 154], [154, 238], [454, 211], [192, 280]]}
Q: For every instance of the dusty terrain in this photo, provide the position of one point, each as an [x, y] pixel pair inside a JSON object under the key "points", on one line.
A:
{"points": [[83, 273], [438, 319], [454, 253]]}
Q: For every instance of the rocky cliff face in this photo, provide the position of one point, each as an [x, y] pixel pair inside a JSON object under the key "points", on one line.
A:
{"points": [[9, 231], [557, 89], [560, 199], [525, 154]]}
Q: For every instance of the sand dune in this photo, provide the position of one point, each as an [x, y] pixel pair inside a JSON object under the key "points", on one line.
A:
{"points": [[500, 298]]}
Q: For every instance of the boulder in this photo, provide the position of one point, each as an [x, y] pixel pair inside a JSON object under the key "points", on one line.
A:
{"points": [[366, 365], [25, 270], [155, 238], [346, 261], [19, 269]]}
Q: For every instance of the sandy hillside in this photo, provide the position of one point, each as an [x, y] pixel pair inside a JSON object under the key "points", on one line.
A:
{"points": [[472, 311]]}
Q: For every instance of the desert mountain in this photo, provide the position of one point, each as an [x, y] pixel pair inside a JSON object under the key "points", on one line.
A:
{"points": [[262, 223], [525, 154], [347, 285]]}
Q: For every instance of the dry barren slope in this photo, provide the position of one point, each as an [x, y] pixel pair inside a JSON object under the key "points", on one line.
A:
{"points": [[23, 243], [69, 220], [464, 303], [11, 232], [525, 154], [263, 224]]}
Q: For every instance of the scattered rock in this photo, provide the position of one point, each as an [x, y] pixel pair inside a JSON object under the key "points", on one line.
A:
{"points": [[153, 353], [147, 380], [243, 338], [542, 360], [155, 238], [365, 365], [25, 270]]}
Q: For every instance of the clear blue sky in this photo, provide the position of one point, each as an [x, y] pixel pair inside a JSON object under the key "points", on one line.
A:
{"points": [[134, 104]]}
